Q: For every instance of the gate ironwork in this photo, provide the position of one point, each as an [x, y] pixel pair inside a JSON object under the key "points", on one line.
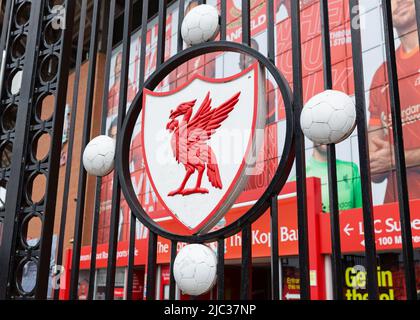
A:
{"points": [[39, 52]]}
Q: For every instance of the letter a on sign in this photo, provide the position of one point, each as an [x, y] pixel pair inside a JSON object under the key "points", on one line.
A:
{"points": [[199, 143]]}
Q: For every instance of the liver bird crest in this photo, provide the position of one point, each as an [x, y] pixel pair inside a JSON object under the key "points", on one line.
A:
{"points": [[189, 142]]}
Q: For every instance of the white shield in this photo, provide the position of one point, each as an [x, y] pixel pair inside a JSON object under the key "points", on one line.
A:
{"points": [[227, 114]]}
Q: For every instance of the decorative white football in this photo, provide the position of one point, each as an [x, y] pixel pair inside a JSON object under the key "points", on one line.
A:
{"points": [[195, 269], [200, 25], [329, 117], [98, 156]]}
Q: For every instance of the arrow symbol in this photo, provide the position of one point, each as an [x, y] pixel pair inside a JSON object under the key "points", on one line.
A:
{"points": [[347, 229], [292, 296], [362, 243]]}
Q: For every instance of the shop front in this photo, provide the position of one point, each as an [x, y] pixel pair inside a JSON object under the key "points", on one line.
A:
{"points": [[388, 242]]}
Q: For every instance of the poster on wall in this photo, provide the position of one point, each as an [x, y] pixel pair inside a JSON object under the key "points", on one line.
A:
{"points": [[226, 64]]}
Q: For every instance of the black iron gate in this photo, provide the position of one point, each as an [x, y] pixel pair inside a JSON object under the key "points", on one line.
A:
{"points": [[39, 52]]}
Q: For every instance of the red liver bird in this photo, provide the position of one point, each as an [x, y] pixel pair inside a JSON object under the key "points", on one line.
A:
{"points": [[190, 137]]}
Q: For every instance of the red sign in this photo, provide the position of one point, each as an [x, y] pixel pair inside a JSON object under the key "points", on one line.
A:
{"points": [[387, 228]]}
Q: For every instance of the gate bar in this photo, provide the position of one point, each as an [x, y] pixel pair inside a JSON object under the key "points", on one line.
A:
{"points": [[398, 135], [362, 133], [275, 272], [223, 20], [5, 31], [274, 214], [180, 41], [305, 293], [66, 189], [152, 247], [116, 187], [107, 28], [220, 269], [14, 192], [151, 266], [60, 95], [81, 191], [172, 283], [246, 268], [133, 218], [161, 32], [337, 264], [417, 5], [246, 23]]}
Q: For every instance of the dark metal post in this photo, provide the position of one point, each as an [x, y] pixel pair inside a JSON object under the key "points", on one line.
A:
{"points": [[365, 177], [246, 270], [223, 20], [116, 188], [133, 219], [305, 293], [220, 269], [108, 28], [275, 273], [151, 267], [337, 268], [180, 41], [172, 284], [246, 22], [66, 189], [398, 135], [81, 191]]}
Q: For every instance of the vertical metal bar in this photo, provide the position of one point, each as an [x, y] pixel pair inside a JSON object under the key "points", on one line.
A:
{"points": [[337, 268], [133, 219], [152, 248], [417, 4], [116, 188], [132, 250], [161, 32], [66, 189], [108, 28], [336, 258], [246, 267], [151, 267], [275, 274], [81, 191], [246, 22], [305, 292], [223, 19], [180, 41], [54, 157], [172, 284], [143, 42], [5, 31], [400, 164], [362, 133], [15, 186], [274, 219], [220, 269], [270, 31]]}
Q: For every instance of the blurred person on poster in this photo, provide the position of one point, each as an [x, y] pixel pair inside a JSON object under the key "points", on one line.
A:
{"points": [[382, 156], [114, 91], [348, 179]]}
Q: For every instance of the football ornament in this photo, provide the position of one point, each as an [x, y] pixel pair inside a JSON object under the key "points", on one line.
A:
{"points": [[98, 156], [329, 117], [195, 269], [200, 25]]}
